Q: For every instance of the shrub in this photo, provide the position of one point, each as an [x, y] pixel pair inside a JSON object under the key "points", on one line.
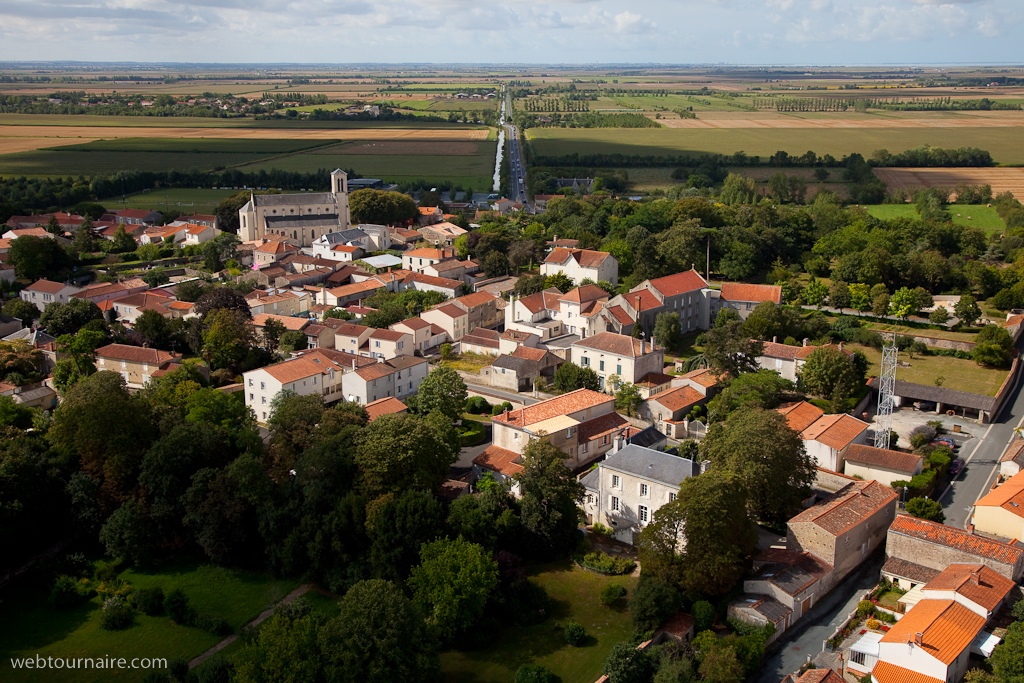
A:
{"points": [[477, 405], [886, 617], [599, 528], [922, 508], [874, 624], [606, 564], [67, 592], [178, 668], [574, 634], [108, 571], [611, 593], [177, 607], [1018, 610], [151, 601], [922, 435], [116, 615], [703, 615], [211, 624], [865, 607], [937, 426], [653, 602], [535, 673]]}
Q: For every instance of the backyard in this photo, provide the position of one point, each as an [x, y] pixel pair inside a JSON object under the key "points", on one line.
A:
{"points": [[575, 594], [30, 625], [956, 373]]}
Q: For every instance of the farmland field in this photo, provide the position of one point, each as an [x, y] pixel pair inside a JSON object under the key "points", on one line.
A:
{"points": [[1001, 179], [1005, 144], [182, 199], [60, 162], [981, 217], [88, 121]]}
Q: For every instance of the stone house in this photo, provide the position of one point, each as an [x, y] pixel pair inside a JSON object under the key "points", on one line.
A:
{"points": [[135, 363], [686, 294], [518, 371], [610, 354], [882, 465], [482, 309], [667, 410], [279, 302], [443, 233], [272, 251], [744, 298], [630, 485]]}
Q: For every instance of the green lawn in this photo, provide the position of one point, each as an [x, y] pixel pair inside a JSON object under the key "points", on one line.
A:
{"points": [[575, 594], [182, 199], [940, 334], [981, 217], [1005, 144], [29, 625], [958, 373]]}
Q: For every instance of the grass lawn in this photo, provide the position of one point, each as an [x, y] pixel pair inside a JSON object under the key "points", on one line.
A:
{"points": [[939, 334], [958, 373], [888, 599], [469, 362], [29, 625], [182, 199], [575, 594], [981, 217]]}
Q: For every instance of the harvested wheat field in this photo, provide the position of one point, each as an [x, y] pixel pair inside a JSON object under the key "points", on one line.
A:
{"points": [[774, 120], [414, 148], [910, 179], [79, 134], [12, 145]]}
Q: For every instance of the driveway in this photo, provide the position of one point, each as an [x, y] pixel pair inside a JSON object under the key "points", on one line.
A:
{"points": [[467, 454]]}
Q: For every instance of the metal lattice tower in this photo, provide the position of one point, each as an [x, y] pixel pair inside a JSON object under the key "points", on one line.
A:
{"points": [[886, 392]]}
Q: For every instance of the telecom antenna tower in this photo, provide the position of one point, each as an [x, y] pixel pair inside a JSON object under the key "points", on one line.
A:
{"points": [[886, 392]]}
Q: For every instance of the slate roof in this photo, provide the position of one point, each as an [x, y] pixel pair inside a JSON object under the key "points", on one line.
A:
{"points": [[520, 366], [792, 571], [905, 463], [646, 438], [848, 507], [956, 538], [297, 198], [647, 463]]}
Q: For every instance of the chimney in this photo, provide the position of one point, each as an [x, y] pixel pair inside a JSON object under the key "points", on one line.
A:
{"points": [[806, 341], [970, 528], [705, 465], [976, 577], [840, 346], [775, 340], [353, 363], [653, 340], [918, 638], [617, 445]]}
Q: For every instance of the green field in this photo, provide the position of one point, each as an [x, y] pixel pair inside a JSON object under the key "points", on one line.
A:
{"points": [[29, 625], [575, 593], [981, 217], [41, 163], [1005, 144], [194, 145], [957, 373], [184, 200]]}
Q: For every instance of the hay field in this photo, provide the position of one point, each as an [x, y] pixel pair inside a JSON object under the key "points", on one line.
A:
{"points": [[1005, 143], [411, 148], [87, 121], [243, 133], [838, 121], [13, 145], [977, 216], [910, 179]]}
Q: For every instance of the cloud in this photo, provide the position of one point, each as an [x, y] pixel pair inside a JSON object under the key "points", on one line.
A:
{"points": [[627, 22]]}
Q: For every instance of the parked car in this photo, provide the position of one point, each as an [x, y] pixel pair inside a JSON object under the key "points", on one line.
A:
{"points": [[947, 440], [944, 444], [955, 467]]}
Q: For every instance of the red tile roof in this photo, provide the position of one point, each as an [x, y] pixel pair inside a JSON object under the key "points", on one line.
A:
{"points": [[620, 314], [499, 460], [431, 280], [737, 291], [587, 258], [642, 300], [385, 406], [135, 354], [584, 294], [679, 283], [956, 538], [775, 350], [45, 286], [616, 344], [450, 310], [565, 404], [848, 507], [527, 353], [703, 377], [1008, 496], [413, 323], [547, 299], [290, 323], [905, 463], [821, 676], [654, 379], [387, 335], [678, 399], [476, 299], [835, 431], [976, 582], [604, 425], [886, 672], [800, 414], [947, 628]]}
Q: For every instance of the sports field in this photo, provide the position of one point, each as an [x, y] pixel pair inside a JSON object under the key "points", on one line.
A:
{"points": [[1005, 143]]}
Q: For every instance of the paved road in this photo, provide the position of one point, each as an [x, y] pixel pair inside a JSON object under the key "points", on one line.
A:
{"points": [[517, 175]]}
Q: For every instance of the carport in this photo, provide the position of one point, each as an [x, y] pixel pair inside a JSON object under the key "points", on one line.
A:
{"points": [[947, 401]]}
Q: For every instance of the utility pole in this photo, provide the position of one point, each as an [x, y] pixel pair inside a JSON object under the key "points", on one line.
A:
{"points": [[886, 392]]}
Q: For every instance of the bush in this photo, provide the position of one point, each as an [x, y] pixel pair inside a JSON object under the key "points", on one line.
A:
{"points": [[216, 669], [108, 571], [535, 673], [177, 607], [865, 608], [703, 616], [886, 617], [67, 592], [606, 564], [922, 435], [653, 602], [874, 624], [178, 668], [574, 634], [922, 508], [477, 405], [116, 615], [211, 624], [472, 433], [151, 601], [1018, 610], [528, 604], [611, 593]]}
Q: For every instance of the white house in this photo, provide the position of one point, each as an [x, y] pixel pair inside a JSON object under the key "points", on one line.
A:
{"points": [[610, 354], [42, 293], [398, 377], [828, 437], [580, 264]]}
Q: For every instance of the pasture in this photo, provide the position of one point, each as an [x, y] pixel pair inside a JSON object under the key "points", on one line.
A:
{"points": [[977, 216], [1005, 143]]}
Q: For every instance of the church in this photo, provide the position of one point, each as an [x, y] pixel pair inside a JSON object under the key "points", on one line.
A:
{"points": [[298, 219]]}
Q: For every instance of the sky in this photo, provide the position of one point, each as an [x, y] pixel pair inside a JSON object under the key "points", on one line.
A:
{"points": [[800, 32]]}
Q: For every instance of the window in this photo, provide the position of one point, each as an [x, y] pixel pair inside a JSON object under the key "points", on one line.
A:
{"points": [[601, 365], [377, 345], [583, 448], [857, 657], [604, 440], [586, 362], [590, 499], [250, 382], [264, 416], [616, 482], [263, 385], [642, 513], [568, 433], [264, 401], [251, 396], [618, 370], [671, 497], [749, 306], [644, 490], [314, 380], [615, 504]]}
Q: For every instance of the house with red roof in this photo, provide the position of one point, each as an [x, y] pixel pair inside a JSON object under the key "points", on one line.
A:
{"points": [[743, 298], [581, 264], [609, 354], [788, 360], [827, 439], [550, 313], [42, 293], [686, 294], [881, 464], [1000, 512], [454, 320]]}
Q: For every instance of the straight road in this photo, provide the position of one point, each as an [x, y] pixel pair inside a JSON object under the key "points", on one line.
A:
{"points": [[517, 175]]}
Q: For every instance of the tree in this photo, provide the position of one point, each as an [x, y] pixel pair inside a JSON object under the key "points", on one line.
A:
{"points": [[993, 346], [829, 373], [626, 664], [22, 310], [570, 377], [227, 210], [126, 534], [221, 521], [766, 321], [191, 290], [903, 302], [535, 673], [378, 637], [764, 388], [940, 316], [272, 331], [495, 264], [85, 238], [739, 262], [292, 340], [60, 318], [452, 584], [550, 495], [815, 292], [668, 330], [380, 207], [406, 452], [36, 257], [860, 296], [923, 508], [284, 650], [221, 297], [559, 281], [839, 295], [398, 526], [721, 665], [155, 328], [770, 458], [880, 305], [227, 337], [967, 310], [1007, 659], [123, 242], [444, 391], [628, 399], [729, 350], [521, 253]]}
